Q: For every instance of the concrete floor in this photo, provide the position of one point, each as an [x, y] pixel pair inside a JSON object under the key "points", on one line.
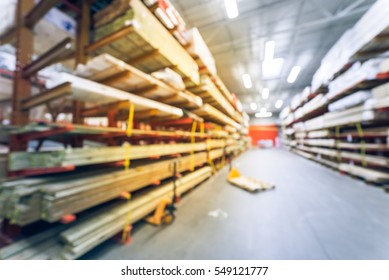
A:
{"points": [[314, 213]]}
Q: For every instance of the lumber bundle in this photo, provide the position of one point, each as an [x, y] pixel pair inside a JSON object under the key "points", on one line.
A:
{"points": [[366, 39], [134, 88], [367, 174], [353, 136], [41, 246], [90, 156], [96, 94], [138, 38], [78, 129], [212, 95], [199, 51], [209, 112], [339, 155], [350, 116], [113, 72], [85, 236], [72, 241], [50, 198]]}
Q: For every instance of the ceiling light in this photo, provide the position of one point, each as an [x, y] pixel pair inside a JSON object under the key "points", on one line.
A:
{"points": [[231, 8], [263, 115], [265, 93], [279, 103], [263, 110], [247, 81], [253, 106], [269, 50], [272, 68], [294, 74]]}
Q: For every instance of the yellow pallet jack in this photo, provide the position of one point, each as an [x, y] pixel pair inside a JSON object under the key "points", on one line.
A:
{"points": [[165, 212], [246, 183]]}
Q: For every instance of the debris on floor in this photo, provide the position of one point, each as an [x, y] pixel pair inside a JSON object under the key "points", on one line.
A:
{"points": [[218, 213]]}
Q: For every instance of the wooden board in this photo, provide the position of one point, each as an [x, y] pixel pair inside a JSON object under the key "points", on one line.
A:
{"points": [[148, 46], [113, 72], [74, 240], [49, 198], [95, 94], [90, 156], [337, 155], [85, 236], [213, 96], [208, 112]]}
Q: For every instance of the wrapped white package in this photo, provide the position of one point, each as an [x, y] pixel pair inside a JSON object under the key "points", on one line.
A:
{"points": [[374, 22], [296, 101], [357, 73], [7, 14], [355, 99], [198, 48], [170, 77]]}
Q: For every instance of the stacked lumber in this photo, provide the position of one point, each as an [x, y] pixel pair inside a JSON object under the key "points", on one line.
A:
{"points": [[200, 52], [113, 72], [74, 240], [85, 236], [144, 42], [350, 131], [51, 198], [167, 14], [211, 113], [91, 156], [42, 246], [213, 96], [366, 39], [95, 132], [96, 94], [138, 109]]}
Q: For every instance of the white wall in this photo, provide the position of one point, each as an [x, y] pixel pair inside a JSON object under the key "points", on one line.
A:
{"points": [[265, 121]]}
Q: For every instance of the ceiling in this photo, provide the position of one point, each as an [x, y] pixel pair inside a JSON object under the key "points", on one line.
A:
{"points": [[303, 31]]}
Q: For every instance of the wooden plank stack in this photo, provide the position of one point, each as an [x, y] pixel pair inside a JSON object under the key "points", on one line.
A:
{"points": [[74, 240], [126, 126], [148, 45]]}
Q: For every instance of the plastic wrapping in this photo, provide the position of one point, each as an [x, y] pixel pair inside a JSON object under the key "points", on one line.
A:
{"points": [[170, 77]]}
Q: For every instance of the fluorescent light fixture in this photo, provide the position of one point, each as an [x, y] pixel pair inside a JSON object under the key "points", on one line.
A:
{"points": [[247, 81], [279, 103], [253, 106], [272, 68], [263, 115], [231, 8], [294, 74], [269, 50], [265, 93]]}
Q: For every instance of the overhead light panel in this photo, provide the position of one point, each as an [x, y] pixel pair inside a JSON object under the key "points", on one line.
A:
{"points": [[247, 81], [272, 68], [269, 50], [265, 93], [294, 74], [263, 115], [279, 103], [231, 8], [253, 106]]}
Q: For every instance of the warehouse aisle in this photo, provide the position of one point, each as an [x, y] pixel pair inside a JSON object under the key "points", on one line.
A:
{"points": [[315, 213]]}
